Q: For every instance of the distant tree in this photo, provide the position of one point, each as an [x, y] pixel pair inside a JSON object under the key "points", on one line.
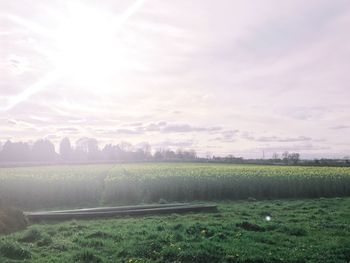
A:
{"points": [[126, 154], [43, 151], [66, 149], [111, 153], [15, 152], [285, 156], [138, 155], [275, 156], [93, 150], [179, 154], [186, 155], [87, 149], [192, 154], [290, 158], [8, 151], [209, 155], [146, 148], [294, 158], [169, 155], [107, 152], [125, 146], [158, 156]]}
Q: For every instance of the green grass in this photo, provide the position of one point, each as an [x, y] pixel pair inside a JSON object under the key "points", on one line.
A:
{"points": [[313, 230], [34, 188], [304, 230]]}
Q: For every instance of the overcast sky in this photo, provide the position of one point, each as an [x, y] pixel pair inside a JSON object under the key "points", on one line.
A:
{"points": [[221, 76]]}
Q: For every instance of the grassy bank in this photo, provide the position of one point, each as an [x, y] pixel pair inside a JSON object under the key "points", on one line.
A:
{"points": [[298, 231]]}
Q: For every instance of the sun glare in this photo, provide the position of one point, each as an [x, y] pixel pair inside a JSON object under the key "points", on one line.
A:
{"points": [[87, 44], [86, 48]]}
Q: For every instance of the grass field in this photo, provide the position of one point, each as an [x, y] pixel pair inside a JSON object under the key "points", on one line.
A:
{"points": [[313, 230], [266, 213], [92, 185]]}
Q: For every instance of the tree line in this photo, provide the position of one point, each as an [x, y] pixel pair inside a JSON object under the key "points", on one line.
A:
{"points": [[87, 150]]}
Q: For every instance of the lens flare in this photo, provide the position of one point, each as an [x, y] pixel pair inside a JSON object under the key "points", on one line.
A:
{"points": [[86, 45]]}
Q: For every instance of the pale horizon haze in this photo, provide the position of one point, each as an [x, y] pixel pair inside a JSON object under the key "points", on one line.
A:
{"points": [[220, 77]]}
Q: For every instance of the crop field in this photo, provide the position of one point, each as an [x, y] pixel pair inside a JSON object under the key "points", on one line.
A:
{"points": [[34, 188]]}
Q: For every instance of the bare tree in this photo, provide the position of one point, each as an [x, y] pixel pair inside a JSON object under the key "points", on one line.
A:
{"points": [[275, 156]]}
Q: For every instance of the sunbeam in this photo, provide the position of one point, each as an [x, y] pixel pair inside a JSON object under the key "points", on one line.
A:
{"points": [[128, 13], [86, 47], [32, 89], [32, 26]]}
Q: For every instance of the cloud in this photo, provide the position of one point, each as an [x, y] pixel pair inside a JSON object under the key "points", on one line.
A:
{"points": [[301, 147], [67, 129], [183, 128], [228, 136], [121, 131], [164, 127], [340, 127], [282, 139], [273, 138], [135, 124], [173, 144], [306, 113], [161, 127], [155, 126], [52, 137]]}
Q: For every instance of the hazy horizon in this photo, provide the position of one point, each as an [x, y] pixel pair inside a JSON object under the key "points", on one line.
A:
{"points": [[227, 77]]}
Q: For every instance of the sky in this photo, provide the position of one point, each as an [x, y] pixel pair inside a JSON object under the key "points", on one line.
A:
{"points": [[221, 77]]}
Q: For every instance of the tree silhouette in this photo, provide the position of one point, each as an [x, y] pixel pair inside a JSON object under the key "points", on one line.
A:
{"points": [[43, 151], [15, 152], [65, 149]]}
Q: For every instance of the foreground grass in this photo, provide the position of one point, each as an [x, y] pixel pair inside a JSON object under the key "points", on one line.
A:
{"points": [[299, 231]]}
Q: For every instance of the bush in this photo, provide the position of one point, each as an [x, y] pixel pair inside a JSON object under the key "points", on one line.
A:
{"points": [[31, 235], [14, 251], [11, 220]]}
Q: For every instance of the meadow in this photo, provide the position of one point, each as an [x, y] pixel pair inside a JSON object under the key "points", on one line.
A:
{"points": [[309, 230], [35, 188]]}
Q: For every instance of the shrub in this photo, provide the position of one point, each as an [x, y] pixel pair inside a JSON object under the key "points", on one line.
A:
{"points": [[14, 251], [31, 235], [11, 220]]}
